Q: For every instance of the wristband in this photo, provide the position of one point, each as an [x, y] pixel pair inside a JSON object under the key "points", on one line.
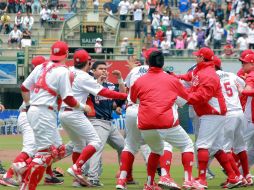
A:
{"points": [[120, 81]]}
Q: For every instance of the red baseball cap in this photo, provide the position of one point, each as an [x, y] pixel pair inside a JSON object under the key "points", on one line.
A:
{"points": [[148, 52], [205, 52], [37, 60], [244, 53], [249, 58], [217, 61], [80, 56], [59, 51]]}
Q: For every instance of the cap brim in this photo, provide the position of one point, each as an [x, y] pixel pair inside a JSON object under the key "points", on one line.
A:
{"points": [[241, 59], [196, 53], [58, 58]]}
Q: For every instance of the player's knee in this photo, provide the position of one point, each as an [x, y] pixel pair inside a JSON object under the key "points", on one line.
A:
{"points": [[97, 144], [132, 150]]}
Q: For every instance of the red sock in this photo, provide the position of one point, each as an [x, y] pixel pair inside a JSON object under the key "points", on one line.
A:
{"points": [[126, 163], [203, 158], [244, 162], [233, 164], [222, 158], [75, 156], [9, 173], [49, 170], [152, 164], [22, 157], [165, 162], [237, 160], [87, 153], [187, 161]]}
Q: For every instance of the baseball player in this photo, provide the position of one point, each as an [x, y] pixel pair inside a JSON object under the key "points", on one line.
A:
{"points": [[248, 68], [80, 130], [134, 141], [234, 122], [2, 170], [158, 117], [100, 117], [209, 104], [46, 83]]}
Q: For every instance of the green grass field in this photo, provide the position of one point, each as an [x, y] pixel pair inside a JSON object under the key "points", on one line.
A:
{"points": [[109, 170]]}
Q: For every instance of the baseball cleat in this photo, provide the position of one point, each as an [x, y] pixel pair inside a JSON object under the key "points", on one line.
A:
{"points": [[249, 180], [2, 170], [96, 183], [10, 182], [77, 174], [53, 181], [121, 184], [209, 174], [167, 182], [152, 187], [131, 181], [187, 185], [232, 183], [58, 172], [200, 184], [77, 184]]}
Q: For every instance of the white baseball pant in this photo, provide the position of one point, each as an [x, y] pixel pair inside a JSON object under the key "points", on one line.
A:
{"points": [[27, 133], [248, 137], [79, 129]]}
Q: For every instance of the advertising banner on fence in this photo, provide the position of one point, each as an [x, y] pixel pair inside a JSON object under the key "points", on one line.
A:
{"points": [[8, 72]]}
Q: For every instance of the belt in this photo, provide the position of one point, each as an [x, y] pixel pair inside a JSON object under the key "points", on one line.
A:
{"points": [[49, 107], [68, 109], [24, 110]]}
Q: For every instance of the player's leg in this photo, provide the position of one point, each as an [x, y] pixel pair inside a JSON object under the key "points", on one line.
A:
{"points": [[103, 131], [44, 131], [132, 143], [155, 142], [177, 137], [82, 131]]}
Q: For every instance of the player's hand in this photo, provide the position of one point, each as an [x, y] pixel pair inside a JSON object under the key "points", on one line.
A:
{"points": [[2, 108], [118, 110], [117, 74], [132, 62], [87, 109], [239, 88], [102, 78]]}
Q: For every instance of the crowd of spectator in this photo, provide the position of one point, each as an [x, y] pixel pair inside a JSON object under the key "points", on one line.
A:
{"points": [[225, 25]]}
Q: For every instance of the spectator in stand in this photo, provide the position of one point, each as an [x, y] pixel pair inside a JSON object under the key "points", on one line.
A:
{"points": [[54, 14], [5, 23], [168, 34], [151, 8], [26, 38], [83, 4], [242, 28], [74, 6], [19, 21], [155, 22], [191, 43], [69, 14], [251, 36], [160, 34], [156, 42], [165, 21], [200, 38], [98, 46], [217, 37], [15, 37], [188, 18], [45, 15], [36, 5], [194, 5], [138, 22], [29, 6], [124, 7], [96, 6], [184, 5], [166, 46], [130, 50], [242, 43], [11, 6], [230, 35], [179, 45], [219, 14], [3, 7], [124, 45], [18, 6], [228, 50], [28, 21], [139, 4], [52, 4], [202, 5]]}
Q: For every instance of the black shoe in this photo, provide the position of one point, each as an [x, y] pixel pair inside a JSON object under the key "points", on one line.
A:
{"points": [[159, 171], [53, 181], [2, 170], [96, 183], [58, 172]]}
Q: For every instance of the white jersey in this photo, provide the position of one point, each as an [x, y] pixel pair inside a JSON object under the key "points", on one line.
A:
{"points": [[83, 85], [134, 74], [58, 79], [230, 92]]}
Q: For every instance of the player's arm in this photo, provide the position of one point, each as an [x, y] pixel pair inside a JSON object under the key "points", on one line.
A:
{"points": [[2, 108], [204, 93], [248, 90], [186, 77], [121, 85], [94, 88], [134, 93], [182, 94]]}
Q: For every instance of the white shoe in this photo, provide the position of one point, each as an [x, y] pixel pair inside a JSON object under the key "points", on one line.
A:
{"points": [[19, 168]]}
